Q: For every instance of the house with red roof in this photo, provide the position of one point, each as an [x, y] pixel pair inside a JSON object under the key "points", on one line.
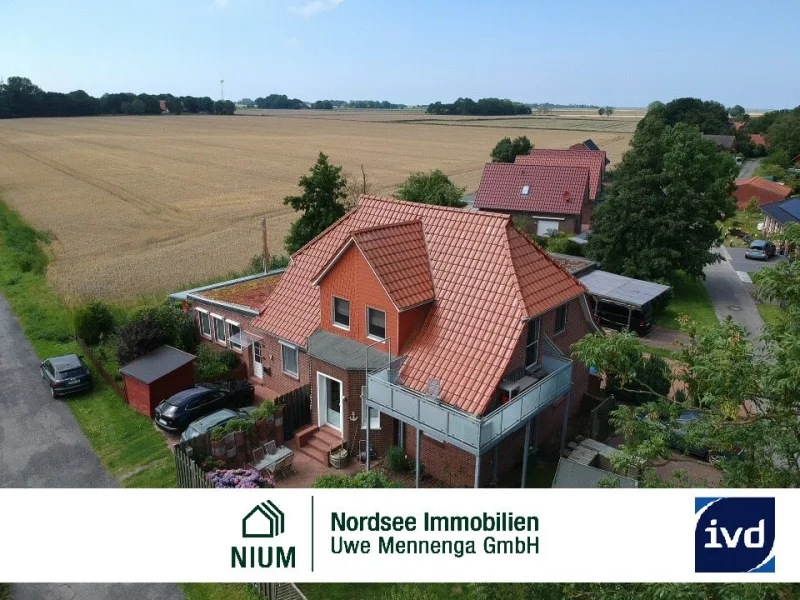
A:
{"points": [[593, 160], [763, 190], [758, 139], [555, 198], [444, 331]]}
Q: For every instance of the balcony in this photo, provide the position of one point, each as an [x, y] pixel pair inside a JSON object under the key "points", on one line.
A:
{"points": [[476, 435]]}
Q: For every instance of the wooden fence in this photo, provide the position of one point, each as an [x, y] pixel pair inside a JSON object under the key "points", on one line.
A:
{"points": [[190, 475], [296, 410], [115, 385], [279, 591]]}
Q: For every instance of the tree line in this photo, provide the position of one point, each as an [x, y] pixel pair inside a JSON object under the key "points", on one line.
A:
{"points": [[483, 107], [20, 97], [371, 104], [281, 101]]}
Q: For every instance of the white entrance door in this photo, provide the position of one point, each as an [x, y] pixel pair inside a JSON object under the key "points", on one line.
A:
{"points": [[258, 365], [329, 398], [544, 227]]}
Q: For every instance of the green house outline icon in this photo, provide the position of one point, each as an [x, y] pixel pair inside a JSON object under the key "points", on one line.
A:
{"points": [[271, 513]]}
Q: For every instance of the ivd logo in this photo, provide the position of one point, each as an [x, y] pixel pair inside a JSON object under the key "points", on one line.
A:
{"points": [[263, 521], [734, 535]]}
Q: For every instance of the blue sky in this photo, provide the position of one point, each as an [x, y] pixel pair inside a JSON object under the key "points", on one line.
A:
{"points": [[617, 52]]}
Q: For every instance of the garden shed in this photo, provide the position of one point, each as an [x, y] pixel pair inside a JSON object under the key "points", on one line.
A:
{"points": [[157, 376]]}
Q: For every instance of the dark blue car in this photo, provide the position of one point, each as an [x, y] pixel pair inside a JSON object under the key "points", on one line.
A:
{"points": [[66, 375], [176, 412]]}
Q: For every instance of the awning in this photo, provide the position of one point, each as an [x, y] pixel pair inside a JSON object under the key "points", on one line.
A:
{"points": [[244, 338], [622, 290]]}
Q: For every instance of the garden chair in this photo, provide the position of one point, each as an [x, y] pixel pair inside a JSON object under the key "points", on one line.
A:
{"points": [[261, 460], [271, 447], [287, 464]]}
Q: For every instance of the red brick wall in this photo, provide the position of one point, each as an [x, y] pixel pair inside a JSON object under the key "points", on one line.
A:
{"points": [[277, 380], [410, 323], [352, 381]]}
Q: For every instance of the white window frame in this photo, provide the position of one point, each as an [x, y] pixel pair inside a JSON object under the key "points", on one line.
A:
{"points": [[536, 343], [234, 347], [224, 341], [375, 420], [200, 312], [297, 360], [375, 337], [555, 325], [333, 313], [526, 190]]}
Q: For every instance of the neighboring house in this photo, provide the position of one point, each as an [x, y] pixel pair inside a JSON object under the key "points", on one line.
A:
{"points": [[554, 198], [758, 139], [588, 145], [778, 214], [163, 105], [763, 190], [723, 142], [594, 160], [450, 325], [796, 161]]}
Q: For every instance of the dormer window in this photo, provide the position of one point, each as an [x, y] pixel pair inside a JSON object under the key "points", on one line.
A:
{"points": [[341, 313], [526, 189]]}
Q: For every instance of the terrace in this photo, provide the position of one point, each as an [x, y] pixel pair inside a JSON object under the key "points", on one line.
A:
{"points": [[529, 395]]}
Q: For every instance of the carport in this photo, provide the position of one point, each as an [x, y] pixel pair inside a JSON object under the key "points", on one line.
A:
{"points": [[633, 294]]}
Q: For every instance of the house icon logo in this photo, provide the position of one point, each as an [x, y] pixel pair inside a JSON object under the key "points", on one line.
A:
{"points": [[264, 521]]}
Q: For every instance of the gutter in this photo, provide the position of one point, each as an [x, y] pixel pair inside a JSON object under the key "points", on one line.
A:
{"points": [[180, 296]]}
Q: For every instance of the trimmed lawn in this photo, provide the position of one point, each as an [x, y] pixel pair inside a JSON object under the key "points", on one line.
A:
{"points": [[770, 313], [218, 591], [664, 353], [374, 591], [689, 297], [746, 222]]}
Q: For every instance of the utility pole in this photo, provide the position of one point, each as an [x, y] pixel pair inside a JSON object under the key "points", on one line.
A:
{"points": [[266, 243], [222, 89]]}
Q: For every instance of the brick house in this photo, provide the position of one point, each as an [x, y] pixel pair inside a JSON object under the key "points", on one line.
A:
{"points": [[553, 197], [441, 330], [779, 214], [594, 160], [763, 190]]}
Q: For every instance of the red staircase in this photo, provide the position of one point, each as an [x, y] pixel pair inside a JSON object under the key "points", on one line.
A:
{"points": [[317, 442]]}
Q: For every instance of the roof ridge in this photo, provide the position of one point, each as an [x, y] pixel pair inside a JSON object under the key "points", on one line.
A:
{"points": [[428, 206], [386, 226]]}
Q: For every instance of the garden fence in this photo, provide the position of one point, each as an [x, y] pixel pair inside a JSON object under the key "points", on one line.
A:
{"points": [[189, 474], [279, 591], [296, 410]]}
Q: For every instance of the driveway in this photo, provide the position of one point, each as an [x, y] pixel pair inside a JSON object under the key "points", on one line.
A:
{"points": [[743, 265], [730, 295], [41, 445], [749, 167]]}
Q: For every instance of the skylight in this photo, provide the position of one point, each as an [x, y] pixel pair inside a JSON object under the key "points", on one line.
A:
{"points": [[526, 190]]}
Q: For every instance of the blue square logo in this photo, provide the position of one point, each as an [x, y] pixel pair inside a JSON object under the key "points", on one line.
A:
{"points": [[734, 535]]}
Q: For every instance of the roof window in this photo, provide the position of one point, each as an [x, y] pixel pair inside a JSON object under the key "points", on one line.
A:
{"points": [[525, 190]]}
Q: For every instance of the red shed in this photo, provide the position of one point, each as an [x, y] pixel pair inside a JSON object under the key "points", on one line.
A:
{"points": [[157, 376]]}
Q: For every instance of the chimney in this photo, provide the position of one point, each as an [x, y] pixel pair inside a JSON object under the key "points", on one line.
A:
{"points": [[266, 243], [566, 196]]}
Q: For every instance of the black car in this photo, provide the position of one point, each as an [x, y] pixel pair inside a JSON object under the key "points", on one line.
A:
{"points": [[616, 316], [176, 412], [66, 375]]}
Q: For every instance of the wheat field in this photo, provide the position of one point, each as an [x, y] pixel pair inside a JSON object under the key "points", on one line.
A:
{"points": [[144, 205]]}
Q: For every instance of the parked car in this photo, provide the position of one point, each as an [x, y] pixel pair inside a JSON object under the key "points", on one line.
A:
{"points": [[66, 375], [760, 250], [209, 422], [176, 412], [615, 316]]}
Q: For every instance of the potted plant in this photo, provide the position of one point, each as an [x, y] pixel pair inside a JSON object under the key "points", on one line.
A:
{"points": [[218, 446], [264, 416]]}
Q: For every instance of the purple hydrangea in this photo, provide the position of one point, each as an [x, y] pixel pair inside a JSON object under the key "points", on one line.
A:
{"points": [[239, 478]]}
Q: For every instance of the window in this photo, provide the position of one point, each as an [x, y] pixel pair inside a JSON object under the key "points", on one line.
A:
{"points": [[219, 329], [561, 318], [341, 312], [290, 360], [205, 323], [376, 324], [234, 330], [375, 416], [532, 343], [526, 189]]}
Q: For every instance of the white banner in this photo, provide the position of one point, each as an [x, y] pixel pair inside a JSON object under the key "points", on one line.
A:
{"points": [[447, 535]]}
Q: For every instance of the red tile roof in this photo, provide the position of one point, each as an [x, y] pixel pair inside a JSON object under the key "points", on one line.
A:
{"points": [[758, 139], [399, 258], [558, 190], [765, 190], [488, 278], [594, 160]]}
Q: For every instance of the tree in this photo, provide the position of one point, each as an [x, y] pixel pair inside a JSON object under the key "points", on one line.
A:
{"points": [[507, 150], [609, 110], [736, 111], [747, 393], [322, 203], [753, 207], [431, 188], [670, 191], [152, 327], [93, 322], [601, 111], [174, 105], [784, 134]]}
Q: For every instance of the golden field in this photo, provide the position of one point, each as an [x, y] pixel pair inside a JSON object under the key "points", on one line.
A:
{"points": [[142, 205]]}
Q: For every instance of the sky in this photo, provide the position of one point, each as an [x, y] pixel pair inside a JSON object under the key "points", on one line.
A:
{"points": [[615, 52]]}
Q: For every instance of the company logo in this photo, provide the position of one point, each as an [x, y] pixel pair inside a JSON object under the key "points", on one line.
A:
{"points": [[264, 521], [734, 535]]}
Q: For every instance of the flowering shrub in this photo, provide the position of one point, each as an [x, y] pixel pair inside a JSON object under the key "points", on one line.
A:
{"points": [[239, 478], [212, 464]]}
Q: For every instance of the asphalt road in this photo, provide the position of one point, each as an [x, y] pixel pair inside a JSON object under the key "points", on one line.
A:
{"points": [[41, 445], [740, 263], [749, 167], [730, 296]]}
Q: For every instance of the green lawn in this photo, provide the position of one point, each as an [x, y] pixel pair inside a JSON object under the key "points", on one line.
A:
{"points": [[664, 353], [770, 313], [374, 591], [689, 296], [746, 222], [218, 591]]}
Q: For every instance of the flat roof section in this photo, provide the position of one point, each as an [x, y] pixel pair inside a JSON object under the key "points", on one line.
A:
{"points": [[621, 289]]}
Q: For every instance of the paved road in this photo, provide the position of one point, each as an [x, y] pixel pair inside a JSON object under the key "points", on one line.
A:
{"points": [[731, 296], [41, 445], [740, 263], [749, 167]]}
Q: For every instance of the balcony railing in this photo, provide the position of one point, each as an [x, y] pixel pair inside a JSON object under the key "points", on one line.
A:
{"points": [[439, 420]]}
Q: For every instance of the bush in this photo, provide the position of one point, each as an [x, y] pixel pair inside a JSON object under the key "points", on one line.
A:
{"points": [[265, 411], [397, 461], [371, 479], [212, 364], [563, 245], [232, 426], [94, 322], [239, 478], [151, 328]]}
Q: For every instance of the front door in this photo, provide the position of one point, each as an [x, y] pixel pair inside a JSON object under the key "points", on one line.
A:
{"points": [[258, 366], [330, 401]]}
